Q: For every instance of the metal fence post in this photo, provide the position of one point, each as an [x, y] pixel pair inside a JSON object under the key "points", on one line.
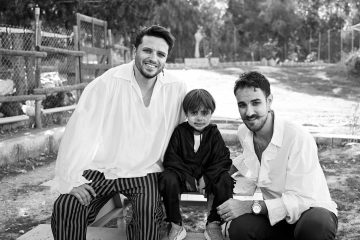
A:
{"points": [[329, 59]]}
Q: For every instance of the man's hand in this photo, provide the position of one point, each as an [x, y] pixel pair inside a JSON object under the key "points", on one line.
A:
{"points": [[233, 208], [83, 193]]}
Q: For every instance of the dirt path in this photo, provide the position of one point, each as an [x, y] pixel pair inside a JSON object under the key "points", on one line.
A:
{"points": [[320, 98], [24, 203]]}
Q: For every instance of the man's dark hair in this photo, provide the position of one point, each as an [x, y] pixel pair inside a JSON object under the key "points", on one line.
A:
{"points": [[155, 31], [197, 98], [253, 79]]}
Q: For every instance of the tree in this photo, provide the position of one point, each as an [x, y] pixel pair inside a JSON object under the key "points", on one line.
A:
{"points": [[182, 18], [124, 17], [246, 25]]}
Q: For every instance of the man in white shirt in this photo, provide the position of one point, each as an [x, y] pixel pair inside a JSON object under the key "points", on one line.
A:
{"points": [[115, 141], [282, 158]]}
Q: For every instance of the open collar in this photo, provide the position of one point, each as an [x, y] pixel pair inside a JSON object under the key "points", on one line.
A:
{"points": [[277, 137]]}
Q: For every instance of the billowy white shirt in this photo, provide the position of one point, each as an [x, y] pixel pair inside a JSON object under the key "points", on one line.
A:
{"points": [[113, 132], [290, 176]]}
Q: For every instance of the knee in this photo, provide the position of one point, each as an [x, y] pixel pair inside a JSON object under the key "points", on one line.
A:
{"points": [[241, 228], [168, 180], [224, 182], [317, 224], [65, 201]]}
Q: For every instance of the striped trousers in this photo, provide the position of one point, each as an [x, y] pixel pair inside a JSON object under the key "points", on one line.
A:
{"points": [[70, 218]]}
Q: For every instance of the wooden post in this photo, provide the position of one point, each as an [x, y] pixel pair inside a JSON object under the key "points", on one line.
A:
{"points": [[92, 33], [310, 42], [77, 62], [38, 123], [352, 40], [341, 46], [110, 38], [235, 43], [37, 43], [319, 46], [110, 45]]}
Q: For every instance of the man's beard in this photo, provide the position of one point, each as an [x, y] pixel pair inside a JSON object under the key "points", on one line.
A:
{"points": [[262, 123]]}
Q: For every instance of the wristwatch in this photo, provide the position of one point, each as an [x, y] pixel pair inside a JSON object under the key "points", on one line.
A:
{"points": [[256, 207]]}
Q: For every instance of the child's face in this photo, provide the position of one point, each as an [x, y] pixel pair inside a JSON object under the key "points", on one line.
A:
{"points": [[199, 119]]}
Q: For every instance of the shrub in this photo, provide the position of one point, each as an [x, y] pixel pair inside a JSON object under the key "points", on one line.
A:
{"points": [[353, 63]]}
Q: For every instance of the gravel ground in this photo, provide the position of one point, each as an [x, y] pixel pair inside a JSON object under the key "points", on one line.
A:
{"points": [[25, 203]]}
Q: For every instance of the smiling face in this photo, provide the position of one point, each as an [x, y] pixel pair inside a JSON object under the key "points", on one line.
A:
{"points": [[150, 56], [253, 107], [199, 119]]}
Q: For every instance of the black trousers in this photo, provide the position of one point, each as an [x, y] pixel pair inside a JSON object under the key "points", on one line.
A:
{"points": [[171, 187], [314, 224], [70, 218]]}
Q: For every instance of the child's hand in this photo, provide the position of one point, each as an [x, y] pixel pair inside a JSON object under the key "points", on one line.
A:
{"points": [[189, 187], [200, 186]]}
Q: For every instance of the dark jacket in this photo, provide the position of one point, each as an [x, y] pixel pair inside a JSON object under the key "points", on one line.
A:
{"points": [[211, 159]]}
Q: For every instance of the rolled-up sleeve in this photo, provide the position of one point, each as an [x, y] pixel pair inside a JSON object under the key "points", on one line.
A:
{"points": [[276, 210], [304, 178]]}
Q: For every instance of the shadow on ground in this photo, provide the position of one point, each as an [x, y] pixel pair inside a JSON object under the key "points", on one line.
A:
{"points": [[329, 80]]}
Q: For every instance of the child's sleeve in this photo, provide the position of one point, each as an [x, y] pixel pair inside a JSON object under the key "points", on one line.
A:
{"points": [[221, 161]]}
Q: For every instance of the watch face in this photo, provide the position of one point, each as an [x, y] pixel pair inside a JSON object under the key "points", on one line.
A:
{"points": [[256, 208]]}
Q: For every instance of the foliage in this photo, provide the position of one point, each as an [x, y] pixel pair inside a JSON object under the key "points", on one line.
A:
{"points": [[123, 17], [311, 57], [271, 49], [232, 27], [353, 63], [182, 18]]}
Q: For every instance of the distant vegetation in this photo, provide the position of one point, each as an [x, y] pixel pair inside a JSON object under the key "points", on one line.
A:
{"points": [[234, 29]]}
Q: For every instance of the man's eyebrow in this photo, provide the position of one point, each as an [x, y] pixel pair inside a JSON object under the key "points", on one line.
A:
{"points": [[160, 51]]}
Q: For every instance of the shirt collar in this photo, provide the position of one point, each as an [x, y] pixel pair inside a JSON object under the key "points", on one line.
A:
{"points": [[278, 133]]}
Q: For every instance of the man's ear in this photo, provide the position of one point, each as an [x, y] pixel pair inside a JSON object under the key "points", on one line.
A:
{"points": [[134, 51], [269, 99]]}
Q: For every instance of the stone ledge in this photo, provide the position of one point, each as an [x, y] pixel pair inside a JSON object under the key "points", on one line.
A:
{"points": [[43, 232], [35, 142], [30, 144]]}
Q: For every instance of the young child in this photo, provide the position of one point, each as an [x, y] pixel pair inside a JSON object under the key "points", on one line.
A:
{"points": [[196, 151]]}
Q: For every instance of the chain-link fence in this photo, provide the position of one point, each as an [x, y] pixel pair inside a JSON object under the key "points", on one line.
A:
{"points": [[350, 40], [329, 46], [93, 40], [43, 70], [19, 66], [19, 69], [58, 68]]}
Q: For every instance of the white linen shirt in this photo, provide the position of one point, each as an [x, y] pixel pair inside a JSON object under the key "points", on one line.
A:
{"points": [[113, 132], [290, 176]]}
